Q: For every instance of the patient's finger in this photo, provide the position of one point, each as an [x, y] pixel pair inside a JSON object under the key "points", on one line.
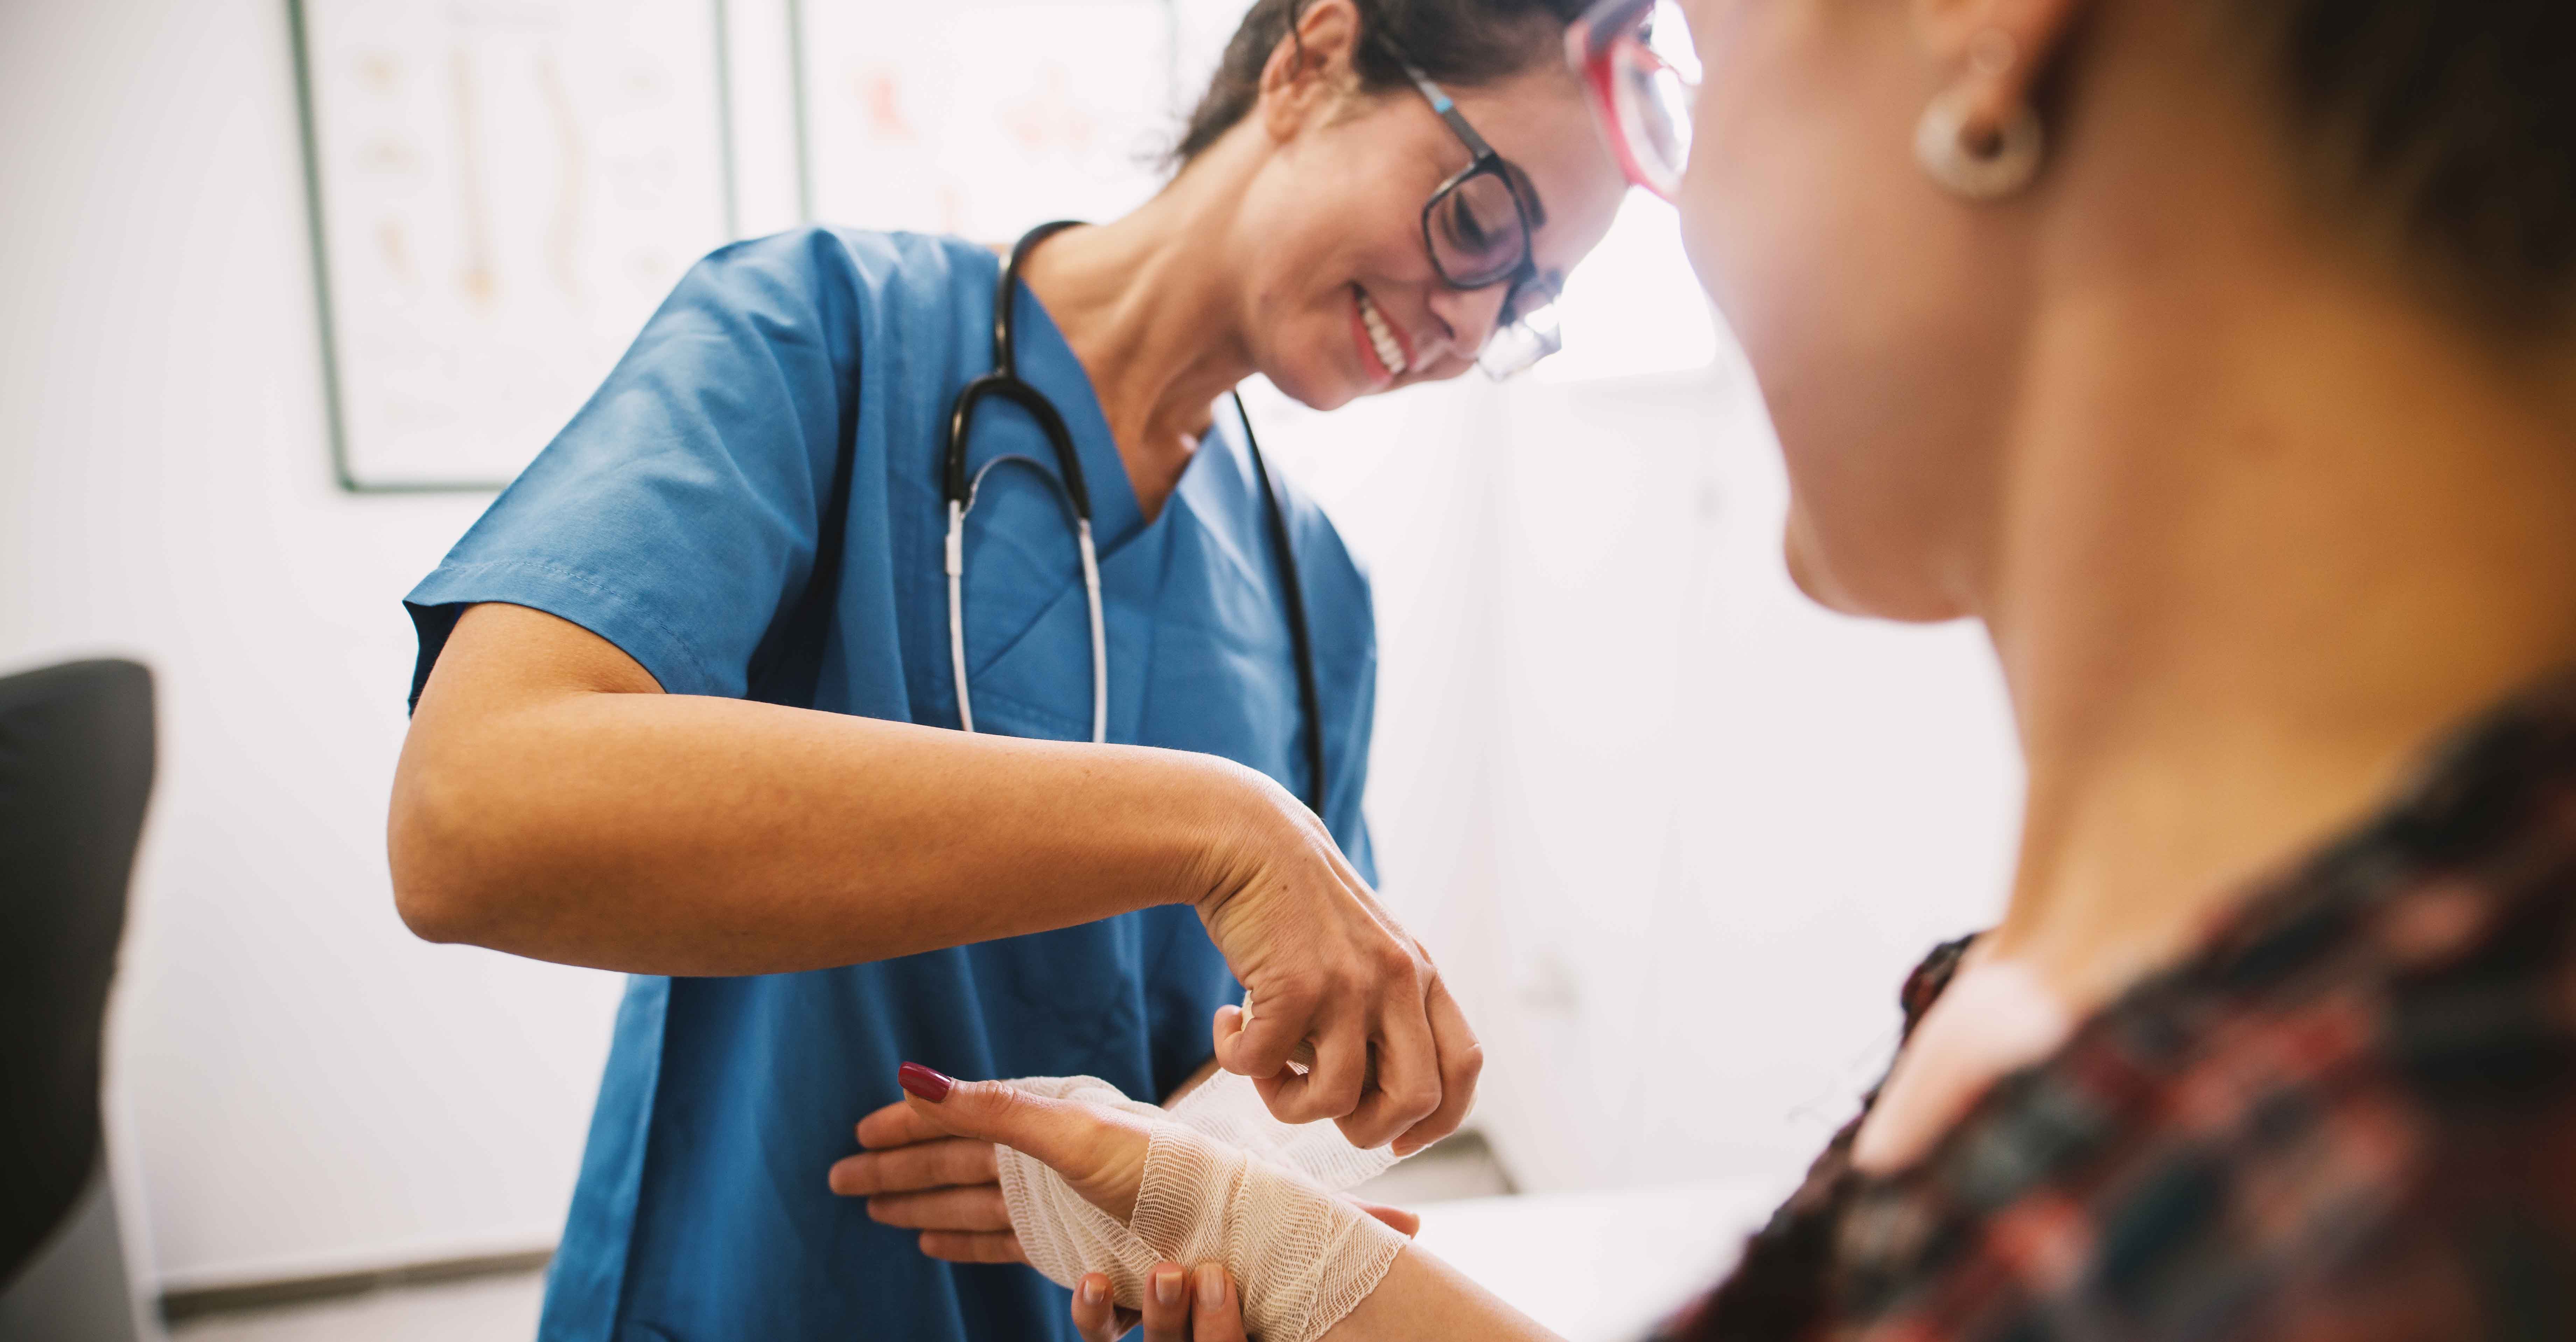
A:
{"points": [[896, 1125], [966, 1246], [948, 1162], [1215, 1315], [1093, 1316], [1167, 1303], [942, 1209], [1099, 1151]]}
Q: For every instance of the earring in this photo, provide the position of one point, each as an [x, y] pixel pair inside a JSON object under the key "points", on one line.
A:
{"points": [[1995, 161]]}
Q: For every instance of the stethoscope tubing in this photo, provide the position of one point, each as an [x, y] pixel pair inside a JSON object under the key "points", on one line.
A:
{"points": [[956, 565], [960, 489], [1005, 381]]}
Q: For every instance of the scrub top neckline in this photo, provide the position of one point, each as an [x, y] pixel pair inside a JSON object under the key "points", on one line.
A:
{"points": [[1118, 516]]}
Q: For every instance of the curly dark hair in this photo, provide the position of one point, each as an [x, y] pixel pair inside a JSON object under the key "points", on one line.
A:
{"points": [[1460, 43]]}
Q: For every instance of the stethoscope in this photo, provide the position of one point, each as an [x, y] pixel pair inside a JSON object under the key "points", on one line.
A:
{"points": [[960, 489]]}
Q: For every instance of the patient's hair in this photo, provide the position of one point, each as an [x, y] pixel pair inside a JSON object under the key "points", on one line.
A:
{"points": [[2450, 126], [1459, 43]]}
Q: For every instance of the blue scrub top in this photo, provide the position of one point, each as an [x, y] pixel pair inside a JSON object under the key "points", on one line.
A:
{"points": [[676, 517]]}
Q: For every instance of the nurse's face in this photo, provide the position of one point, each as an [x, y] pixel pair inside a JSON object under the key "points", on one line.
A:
{"points": [[1345, 301], [1875, 309]]}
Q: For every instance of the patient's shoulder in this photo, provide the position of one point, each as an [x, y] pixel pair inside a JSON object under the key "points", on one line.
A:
{"points": [[2351, 1113]]}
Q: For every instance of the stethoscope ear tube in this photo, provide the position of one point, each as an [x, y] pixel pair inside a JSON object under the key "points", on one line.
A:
{"points": [[1099, 633], [953, 559], [956, 565]]}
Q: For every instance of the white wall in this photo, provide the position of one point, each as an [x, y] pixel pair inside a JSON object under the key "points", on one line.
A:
{"points": [[1674, 833], [300, 1084]]}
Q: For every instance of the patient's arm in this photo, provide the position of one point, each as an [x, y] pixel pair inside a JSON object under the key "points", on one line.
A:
{"points": [[918, 1177], [1422, 1298], [1100, 1152]]}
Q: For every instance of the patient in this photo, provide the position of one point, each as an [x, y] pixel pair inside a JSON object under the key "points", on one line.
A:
{"points": [[2216, 355]]}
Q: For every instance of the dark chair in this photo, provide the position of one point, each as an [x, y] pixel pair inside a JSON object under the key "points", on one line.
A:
{"points": [[76, 746]]}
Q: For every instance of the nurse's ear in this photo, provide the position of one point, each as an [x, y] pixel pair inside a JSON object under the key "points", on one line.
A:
{"points": [[1310, 71]]}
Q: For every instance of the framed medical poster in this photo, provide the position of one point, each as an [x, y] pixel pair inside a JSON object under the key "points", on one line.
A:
{"points": [[984, 117], [501, 192]]}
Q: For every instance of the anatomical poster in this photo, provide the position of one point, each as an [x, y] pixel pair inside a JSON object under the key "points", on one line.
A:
{"points": [[502, 192], [984, 117]]}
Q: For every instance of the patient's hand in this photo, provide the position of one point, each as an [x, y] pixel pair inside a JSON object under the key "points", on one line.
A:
{"points": [[1099, 1151], [921, 1176], [915, 1175], [1181, 1305]]}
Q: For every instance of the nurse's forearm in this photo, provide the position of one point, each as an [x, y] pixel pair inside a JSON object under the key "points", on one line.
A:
{"points": [[551, 802]]}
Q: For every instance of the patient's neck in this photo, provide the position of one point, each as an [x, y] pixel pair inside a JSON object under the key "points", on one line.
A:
{"points": [[2261, 543], [1146, 304]]}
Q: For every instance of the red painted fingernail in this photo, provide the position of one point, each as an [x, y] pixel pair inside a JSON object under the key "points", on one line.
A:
{"points": [[921, 1081]]}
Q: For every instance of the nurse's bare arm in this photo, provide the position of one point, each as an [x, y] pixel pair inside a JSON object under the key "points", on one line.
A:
{"points": [[552, 802]]}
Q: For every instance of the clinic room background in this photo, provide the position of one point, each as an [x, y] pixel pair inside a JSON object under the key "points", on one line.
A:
{"points": [[1578, 754]]}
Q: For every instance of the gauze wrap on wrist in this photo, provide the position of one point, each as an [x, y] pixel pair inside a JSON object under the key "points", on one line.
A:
{"points": [[1223, 1182]]}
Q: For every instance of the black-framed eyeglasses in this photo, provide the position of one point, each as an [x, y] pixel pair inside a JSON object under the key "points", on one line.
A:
{"points": [[1478, 227]]}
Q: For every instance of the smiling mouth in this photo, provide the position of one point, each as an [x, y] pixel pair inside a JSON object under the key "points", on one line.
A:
{"points": [[1383, 344]]}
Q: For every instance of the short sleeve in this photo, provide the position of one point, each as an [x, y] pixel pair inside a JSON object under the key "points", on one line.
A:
{"points": [[677, 510]]}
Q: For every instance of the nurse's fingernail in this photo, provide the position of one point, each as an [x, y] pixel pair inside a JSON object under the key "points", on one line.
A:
{"points": [[1094, 1290], [1167, 1286], [921, 1081], [1211, 1286]]}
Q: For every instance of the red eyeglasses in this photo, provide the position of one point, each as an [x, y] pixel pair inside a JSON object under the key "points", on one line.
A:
{"points": [[1637, 63]]}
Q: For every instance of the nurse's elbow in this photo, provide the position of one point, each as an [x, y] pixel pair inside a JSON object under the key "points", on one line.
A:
{"points": [[441, 892]]}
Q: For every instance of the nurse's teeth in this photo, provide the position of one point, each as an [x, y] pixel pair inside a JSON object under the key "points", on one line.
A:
{"points": [[1390, 351]]}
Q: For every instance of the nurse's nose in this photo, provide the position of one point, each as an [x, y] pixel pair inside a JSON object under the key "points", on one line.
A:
{"points": [[1470, 316]]}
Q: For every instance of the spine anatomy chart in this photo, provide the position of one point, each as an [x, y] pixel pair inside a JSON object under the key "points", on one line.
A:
{"points": [[983, 117], [503, 191]]}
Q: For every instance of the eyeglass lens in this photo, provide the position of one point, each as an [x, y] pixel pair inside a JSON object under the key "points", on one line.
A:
{"points": [[1657, 75], [1476, 231]]}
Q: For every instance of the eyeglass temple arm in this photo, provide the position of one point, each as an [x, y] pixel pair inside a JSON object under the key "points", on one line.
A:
{"points": [[1447, 107], [1601, 27], [1476, 144]]}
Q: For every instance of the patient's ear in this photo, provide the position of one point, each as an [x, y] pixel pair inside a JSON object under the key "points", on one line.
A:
{"points": [[1993, 53]]}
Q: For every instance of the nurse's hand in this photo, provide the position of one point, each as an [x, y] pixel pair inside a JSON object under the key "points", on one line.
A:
{"points": [[915, 1175], [1334, 983]]}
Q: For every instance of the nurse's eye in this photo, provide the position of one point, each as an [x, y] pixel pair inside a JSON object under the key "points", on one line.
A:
{"points": [[1465, 230]]}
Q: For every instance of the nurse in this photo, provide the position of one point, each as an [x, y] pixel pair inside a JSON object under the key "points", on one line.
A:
{"points": [[689, 696]]}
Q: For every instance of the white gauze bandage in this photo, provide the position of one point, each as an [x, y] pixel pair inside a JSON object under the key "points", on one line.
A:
{"points": [[1224, 1182]]}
